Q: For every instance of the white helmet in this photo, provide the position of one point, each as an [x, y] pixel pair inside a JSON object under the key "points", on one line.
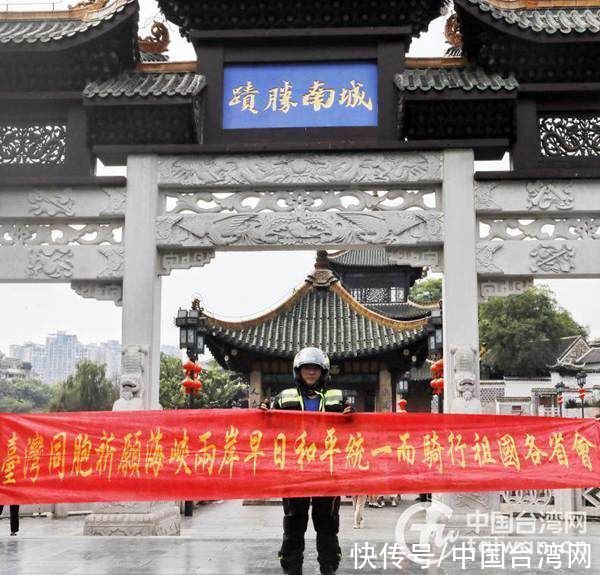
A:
{"points": [[311, 356]]}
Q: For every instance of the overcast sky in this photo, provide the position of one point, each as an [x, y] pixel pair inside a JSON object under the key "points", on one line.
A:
{"points": [[234, 285]]}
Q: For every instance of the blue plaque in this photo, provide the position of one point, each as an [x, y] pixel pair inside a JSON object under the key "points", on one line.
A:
{"points": [[303, 95]]}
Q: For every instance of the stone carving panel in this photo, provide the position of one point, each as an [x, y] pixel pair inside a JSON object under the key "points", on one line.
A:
{"points": [[485, 196], [570, 136], [52, 263], [463, 380], [184, 260], [300, 228], [546, 195], [552, 258], [60, 234], [485, 258], [243, 202], [300, 169], [33, 144], [503, 287], [416, 257], [51, 204], [114, 266], [115, 200], [541, 229], [99, 291]]}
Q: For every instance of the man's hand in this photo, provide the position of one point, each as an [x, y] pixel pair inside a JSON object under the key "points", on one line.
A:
{"points": [[348, 409], [264, 405]]}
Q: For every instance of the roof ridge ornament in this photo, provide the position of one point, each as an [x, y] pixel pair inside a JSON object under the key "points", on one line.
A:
{"points": [[158, 40], [85, 11], [453, 35], [322, 277]]}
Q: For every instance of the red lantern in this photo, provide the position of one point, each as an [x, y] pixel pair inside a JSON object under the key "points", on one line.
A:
{"points": [[437, 369], [437, 385], [560, 400], [192, 367], [582, 393], [191, 384], [402, 403]]}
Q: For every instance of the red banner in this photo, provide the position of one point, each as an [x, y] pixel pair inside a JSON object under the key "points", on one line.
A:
{"points": [[230, 454]]}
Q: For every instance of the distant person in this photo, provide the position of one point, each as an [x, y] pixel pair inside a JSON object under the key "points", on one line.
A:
{"points": [[311, 376], [14, 518], [358, 504]]}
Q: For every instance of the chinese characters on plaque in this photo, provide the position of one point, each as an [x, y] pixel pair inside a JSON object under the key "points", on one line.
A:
{"points": [[336, 94]]}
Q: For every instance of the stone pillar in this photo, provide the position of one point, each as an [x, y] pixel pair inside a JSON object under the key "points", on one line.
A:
{"points": [[461, 329], [384, 392], [255, 392], [141, 348], [141, 282]]}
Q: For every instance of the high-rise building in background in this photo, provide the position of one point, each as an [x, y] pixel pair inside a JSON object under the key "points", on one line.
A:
{"points": [[63, 353], [58, 358], [32, 353]]}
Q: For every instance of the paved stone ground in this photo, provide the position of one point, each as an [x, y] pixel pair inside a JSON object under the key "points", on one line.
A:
{"points": [[225, 539]]}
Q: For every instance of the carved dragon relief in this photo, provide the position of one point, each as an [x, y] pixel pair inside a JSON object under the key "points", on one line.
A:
{"points": [[300, 228], [300, 169], [242, 202]]}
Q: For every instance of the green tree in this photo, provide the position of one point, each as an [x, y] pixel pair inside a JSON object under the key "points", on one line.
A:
{"points": [[24, 396], [426, 291], [87, 390], [220, 388], [521, 333], [171, 395]]}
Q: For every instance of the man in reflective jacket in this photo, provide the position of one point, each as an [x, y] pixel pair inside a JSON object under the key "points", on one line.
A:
{"points": [[311, 375]]}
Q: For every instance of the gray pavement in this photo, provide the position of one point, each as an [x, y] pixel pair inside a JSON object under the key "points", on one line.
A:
{"points": [[229, 539]]}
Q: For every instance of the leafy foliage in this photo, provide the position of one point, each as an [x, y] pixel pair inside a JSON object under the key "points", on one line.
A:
{"points": [[521, 333], [220, 388], [171, 395], [24, 395], [87, 390], [426, 291]]}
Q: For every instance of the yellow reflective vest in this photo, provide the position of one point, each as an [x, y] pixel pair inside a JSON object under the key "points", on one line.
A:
{"points": [[331, 400]]}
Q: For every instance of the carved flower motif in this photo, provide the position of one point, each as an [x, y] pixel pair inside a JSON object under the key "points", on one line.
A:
{"points": [[300, 200], [20, 234]]}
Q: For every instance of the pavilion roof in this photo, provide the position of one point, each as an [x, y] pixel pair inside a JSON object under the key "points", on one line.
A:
{"points": [[438, 74], [320, 313], [26, 28], [154, 79], [553, 17], [372, 258]]}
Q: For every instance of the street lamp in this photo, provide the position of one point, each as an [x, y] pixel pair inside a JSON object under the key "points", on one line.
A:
{"points": [[190, 337], [560, 388], [192, 340], [581, 379]]}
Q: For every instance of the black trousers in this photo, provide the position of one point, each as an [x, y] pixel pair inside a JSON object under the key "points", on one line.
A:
{"points": [[326, 520], [14, 517]]}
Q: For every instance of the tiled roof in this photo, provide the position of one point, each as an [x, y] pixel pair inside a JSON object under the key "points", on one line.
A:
{"points": [[326, 317], [457, 78], [550, 21], [376, 257], [592, 356], [132, 84], [27, 30], [153, 57], [405, 311]]}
